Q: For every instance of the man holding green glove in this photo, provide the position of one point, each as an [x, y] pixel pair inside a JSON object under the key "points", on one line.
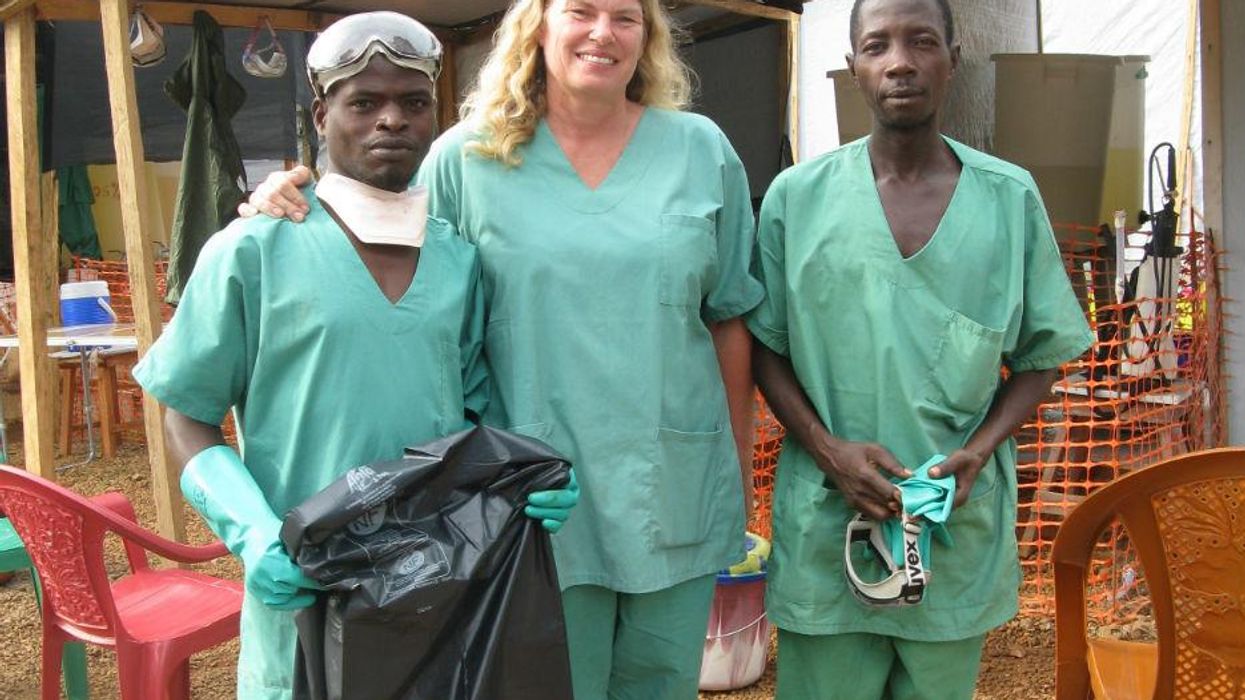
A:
{"points": [[336, 347], [903, 272]]}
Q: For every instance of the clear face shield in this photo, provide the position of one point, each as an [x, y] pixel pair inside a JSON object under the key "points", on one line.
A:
{"points": [[345, 48]]}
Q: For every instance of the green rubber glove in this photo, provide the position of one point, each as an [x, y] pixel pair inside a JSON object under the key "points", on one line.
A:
{"points": [[219, 486], [552, 508]]}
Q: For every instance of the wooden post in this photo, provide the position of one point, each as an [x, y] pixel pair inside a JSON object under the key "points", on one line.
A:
{"points": [[50, 226], [743, 7], [1212, 118], [447, 89], [132, 185], [32, 263], [793, 85], [1184, 157]]}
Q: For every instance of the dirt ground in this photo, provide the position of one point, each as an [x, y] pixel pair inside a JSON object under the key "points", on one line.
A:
{"points": [[1018, 662]]}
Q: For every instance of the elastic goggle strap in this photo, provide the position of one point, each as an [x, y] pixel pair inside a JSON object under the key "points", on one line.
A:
{"points": [[906, 583], [345, 48]]}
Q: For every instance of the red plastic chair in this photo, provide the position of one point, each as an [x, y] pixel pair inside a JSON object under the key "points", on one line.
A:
{"points": [[154, 618]]}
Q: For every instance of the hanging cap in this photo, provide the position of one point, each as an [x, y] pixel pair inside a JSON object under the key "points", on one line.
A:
{"points": [[146, 39], [345, 48]]}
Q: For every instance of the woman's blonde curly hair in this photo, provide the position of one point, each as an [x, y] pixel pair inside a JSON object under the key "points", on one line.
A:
{"points": [[508, 99]]}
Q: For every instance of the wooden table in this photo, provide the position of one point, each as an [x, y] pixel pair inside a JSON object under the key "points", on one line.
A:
{"points": [[108, 340]]}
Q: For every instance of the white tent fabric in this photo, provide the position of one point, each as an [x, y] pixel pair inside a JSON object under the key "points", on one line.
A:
{"points": [[999, 26], [1155, 28]]}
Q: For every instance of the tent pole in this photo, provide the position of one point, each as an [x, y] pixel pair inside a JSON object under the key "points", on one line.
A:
{"points": [[793, 85], [32, 262], [1041, 42], [114, 21], [1212, 116]]}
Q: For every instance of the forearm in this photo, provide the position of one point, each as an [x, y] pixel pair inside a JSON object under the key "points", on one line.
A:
{"points": [[1014, 403], [733, 344], [786, 399], [187, 437]]}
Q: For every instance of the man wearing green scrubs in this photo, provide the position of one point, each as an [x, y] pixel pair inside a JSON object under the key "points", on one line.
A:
{"points": [[336, 347], [903, 272]]}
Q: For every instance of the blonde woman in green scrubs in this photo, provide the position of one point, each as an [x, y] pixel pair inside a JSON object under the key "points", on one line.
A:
{"points": [[614, 232]]}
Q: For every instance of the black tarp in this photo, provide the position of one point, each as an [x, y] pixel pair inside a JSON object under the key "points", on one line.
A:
{"points": [[81, 121], [439, 587]]}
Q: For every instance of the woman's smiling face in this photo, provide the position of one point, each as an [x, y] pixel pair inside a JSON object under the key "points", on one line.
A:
{"points": [[591, 47]]}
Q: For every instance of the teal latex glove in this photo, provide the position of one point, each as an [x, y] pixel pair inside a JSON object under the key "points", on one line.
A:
{"points": [[923, 496], [219, 486], [552, 508]]}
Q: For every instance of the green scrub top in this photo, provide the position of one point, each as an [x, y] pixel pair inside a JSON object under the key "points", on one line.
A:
{"points": [[598, 341], [906, 353], [285, 323]]}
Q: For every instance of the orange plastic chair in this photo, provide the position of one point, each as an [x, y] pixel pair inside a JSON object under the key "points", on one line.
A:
{"points": [[1186, 520], [154, 618]]}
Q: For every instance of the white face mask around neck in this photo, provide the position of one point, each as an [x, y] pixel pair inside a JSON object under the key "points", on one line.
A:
{"points": [[374, 215]]}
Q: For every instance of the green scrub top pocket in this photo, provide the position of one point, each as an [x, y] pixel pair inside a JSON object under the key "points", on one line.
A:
{"points": [[686, 486], [965, 371], [688, 259]]}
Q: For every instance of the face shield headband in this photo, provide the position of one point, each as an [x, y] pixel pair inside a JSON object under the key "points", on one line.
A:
{"points": [[345, 48], [905, 585]]}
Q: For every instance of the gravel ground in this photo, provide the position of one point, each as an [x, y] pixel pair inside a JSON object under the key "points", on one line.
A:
{"points": [[1018, 662]]}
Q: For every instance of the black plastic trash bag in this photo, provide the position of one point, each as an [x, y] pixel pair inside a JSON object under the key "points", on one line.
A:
{"points": [[438, 586]]}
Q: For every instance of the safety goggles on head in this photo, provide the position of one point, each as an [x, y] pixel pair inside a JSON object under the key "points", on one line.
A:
{"points": [[345, 48], [905, 585]]}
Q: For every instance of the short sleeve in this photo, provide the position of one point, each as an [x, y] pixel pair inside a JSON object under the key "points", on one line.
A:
{"points": [[441, 173], [476, 384], [1053, 329], [768, 321], [736, 291], [200, 364]]}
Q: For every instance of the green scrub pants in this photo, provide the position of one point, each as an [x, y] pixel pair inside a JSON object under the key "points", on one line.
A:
{"points": [[637, 646], [858, 666]]}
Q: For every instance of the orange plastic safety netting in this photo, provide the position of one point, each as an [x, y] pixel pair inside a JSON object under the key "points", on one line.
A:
{"points": [[1150, 388]]}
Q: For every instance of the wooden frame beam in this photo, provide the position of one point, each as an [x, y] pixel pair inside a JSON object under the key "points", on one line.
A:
{"points": [[744, 7], [183, 13], [32, 260], [10, 8], [721, 23], [127, 138]]}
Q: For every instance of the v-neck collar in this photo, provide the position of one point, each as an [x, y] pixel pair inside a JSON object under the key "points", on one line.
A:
{"points": [[888, 233], [545, 151], [357, 275]]}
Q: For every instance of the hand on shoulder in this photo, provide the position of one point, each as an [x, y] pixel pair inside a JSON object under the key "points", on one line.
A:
{"points": [[278, 196]]}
